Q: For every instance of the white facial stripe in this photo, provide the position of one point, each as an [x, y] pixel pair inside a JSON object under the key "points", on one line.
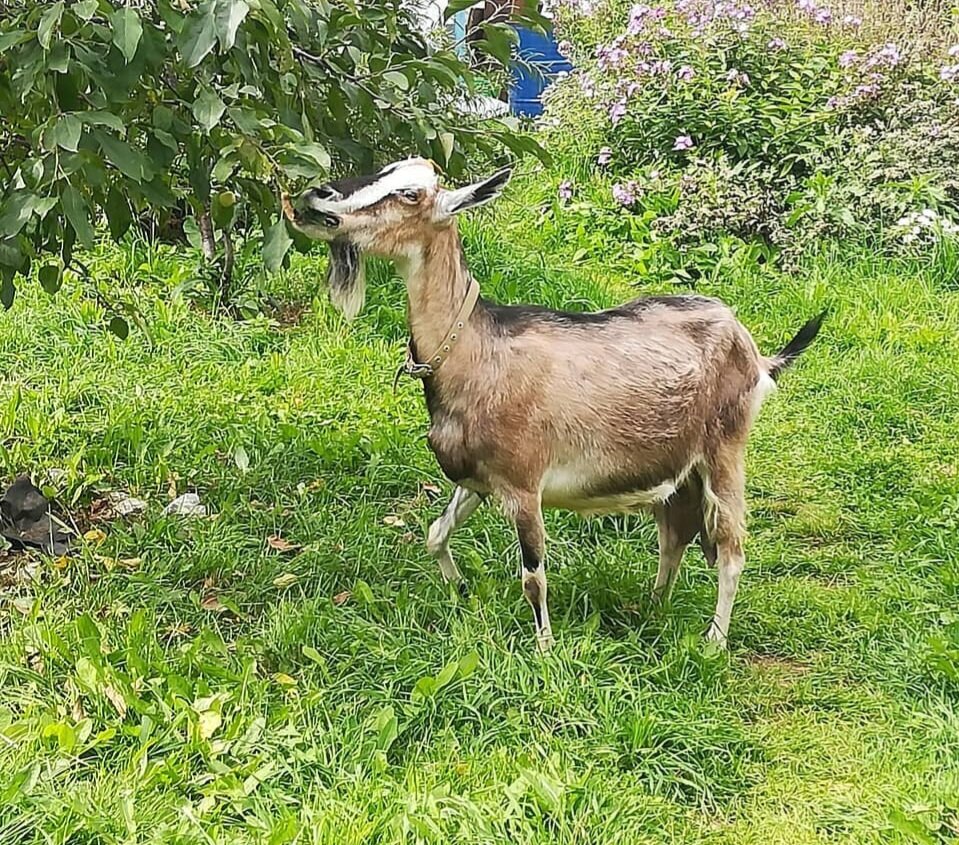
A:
{"points": [[415, 175]]}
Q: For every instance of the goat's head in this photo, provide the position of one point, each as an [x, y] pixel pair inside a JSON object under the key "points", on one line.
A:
{"points": [[392, 213]]}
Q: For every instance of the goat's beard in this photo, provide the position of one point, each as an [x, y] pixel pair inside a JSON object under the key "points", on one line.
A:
{"points": [[346, 277]]}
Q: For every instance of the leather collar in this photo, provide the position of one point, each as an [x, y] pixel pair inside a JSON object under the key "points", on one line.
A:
{"points": [[428, 368]]}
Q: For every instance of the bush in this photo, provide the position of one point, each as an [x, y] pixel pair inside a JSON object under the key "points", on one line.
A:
{"points": [[781, 124]]}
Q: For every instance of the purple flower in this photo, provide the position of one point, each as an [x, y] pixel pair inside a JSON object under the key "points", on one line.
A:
{"points": [[637, 18], [889, 55], [617, 111], [848, 59], [949, 73], [866, 90], [954, 50], [683, 142], [564, 48], [833, 102], [626, 193], [823, 16], [587, 86], [605, 156], [565, 191], [610, 55], [685, 73], [736, 77], [662, 66], [852, 20], [807, 6], [776, 44]]}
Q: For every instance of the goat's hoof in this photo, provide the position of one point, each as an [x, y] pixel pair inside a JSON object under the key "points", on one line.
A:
{"points": [[715, 635], [657, 598], [463, 589], [545, 643]]}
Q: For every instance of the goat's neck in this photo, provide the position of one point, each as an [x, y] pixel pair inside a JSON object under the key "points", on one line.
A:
{"points": [[437, 281]]}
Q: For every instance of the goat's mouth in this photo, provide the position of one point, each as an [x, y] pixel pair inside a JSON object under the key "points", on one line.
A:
{"points": [[311, 221]]}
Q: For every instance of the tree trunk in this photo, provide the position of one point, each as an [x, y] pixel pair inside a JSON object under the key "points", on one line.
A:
{"points": [[226, 277], [205, 225]]}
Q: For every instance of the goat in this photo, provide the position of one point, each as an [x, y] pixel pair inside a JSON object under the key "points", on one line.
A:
{"points": [[643, 406]]}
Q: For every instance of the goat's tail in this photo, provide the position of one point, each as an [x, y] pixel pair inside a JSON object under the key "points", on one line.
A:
{"points": [[792, 350]]}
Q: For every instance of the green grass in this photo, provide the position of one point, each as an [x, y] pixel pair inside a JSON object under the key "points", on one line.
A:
{"points": [[269, 714]]}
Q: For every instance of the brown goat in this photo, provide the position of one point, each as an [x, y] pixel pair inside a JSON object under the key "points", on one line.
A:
{"points": [[646, 405]]}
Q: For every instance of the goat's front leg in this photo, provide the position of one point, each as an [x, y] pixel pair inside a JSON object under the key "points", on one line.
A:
{"points": [[532, 544], [459, 509]]}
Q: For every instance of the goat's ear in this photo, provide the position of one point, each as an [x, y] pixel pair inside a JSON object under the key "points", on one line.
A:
{"points": [[449, 203], [346, 276]]}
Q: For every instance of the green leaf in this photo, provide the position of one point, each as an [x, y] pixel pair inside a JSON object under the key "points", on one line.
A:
{"points": [[51, 278], [315, 152], [468, 664], [208, 109], [129, 161], [7, 291], [276, 244], [446, 142], [65, 133], [48, 23], [447, 674], [387, 728], [224, 168], [241, 459], [312, 654], [102, 118], [399, 80], [118, 213], [12, 39], [119, 327], [75, 208], [228, 17], [499, 41], [197, 37], [127, 30], [16, 212], [85, 9]]}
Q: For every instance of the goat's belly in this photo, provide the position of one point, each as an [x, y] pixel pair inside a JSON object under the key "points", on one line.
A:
{"points": [[570, 491]]}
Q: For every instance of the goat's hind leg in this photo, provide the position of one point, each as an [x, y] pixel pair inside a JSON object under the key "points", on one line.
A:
{"points": [[532, 543], [725, 507], [459, 509], [679, 519]]}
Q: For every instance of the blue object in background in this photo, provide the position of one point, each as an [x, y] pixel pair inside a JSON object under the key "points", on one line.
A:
{"points": [[527, 88]]}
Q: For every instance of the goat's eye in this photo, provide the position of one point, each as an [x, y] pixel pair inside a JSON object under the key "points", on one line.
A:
{"points": [[411, 195]]}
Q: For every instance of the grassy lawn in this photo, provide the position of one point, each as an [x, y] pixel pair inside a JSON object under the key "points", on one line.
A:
{"points": [[222, 691]]}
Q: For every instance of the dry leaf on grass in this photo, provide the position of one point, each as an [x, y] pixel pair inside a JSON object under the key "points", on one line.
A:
{"points": [[188, 505], [116, 699], [211, 602], [394, 521], [341, 598], [209, 721], [24, 604], [95, 536], [128, 563], [280, 544]]}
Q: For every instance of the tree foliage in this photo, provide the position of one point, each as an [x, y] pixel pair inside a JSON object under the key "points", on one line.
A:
{"points": [[116, 109]]}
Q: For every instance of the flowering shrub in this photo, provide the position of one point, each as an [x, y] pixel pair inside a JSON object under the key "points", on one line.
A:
{"points": [[776, 122]]}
